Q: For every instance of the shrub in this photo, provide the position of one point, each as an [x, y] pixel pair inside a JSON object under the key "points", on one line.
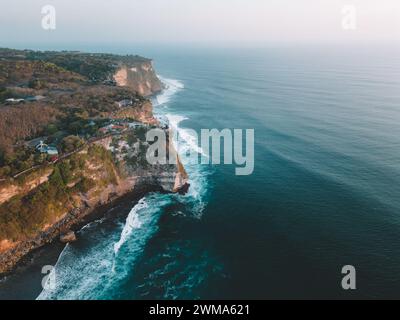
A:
{"points": [[71, 143], [85, 185]]}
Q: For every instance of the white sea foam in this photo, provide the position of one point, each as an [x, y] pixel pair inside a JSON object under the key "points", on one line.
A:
{"points": [[185, 140], [194, 198], [132, 222], [92, 271], [171, 87], [196, 193], [79, 273]]}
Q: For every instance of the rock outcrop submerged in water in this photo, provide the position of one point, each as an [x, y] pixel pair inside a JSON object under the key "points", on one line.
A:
{"points": [[68, 237]]}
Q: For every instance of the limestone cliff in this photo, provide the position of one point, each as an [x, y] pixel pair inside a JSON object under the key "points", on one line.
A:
{"points": [[83, 96], [143, 113], [46, 203], [100, 173], [12, 188], [139, 76]]}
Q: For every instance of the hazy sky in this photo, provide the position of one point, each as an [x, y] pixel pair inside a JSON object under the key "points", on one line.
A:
{"points": [[246, 22]]}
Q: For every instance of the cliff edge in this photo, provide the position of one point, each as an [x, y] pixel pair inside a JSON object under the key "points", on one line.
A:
{"points": [[140, 77], [72, 139]]}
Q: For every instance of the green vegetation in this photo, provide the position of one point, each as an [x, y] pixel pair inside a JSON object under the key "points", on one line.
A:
{"points": [[77, 103], [24, 216], [19, 123], [79, 99], [96, 67], [37, 84], [140, 133], [5, 93], [22, 159], [138, 160], [85, 185], [71, 143], [105, 157]]}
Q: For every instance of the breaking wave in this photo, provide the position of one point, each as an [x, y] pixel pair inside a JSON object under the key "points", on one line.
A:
{"points": [[171, 88]]}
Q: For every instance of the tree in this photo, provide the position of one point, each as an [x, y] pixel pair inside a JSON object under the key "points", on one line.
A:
{"points": [[37, 84], [5, 171], [76, 127], [65, 171], [85, 185], [39, 158], [5, 93], [71, 143], [56, 180], [51, 129], [2, 155]]}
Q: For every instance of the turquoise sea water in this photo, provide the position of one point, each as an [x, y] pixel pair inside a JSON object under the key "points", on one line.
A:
{"points": [[325, 191]]}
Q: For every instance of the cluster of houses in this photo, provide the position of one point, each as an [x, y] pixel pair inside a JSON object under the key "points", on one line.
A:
{"points": [[126, 102], [119, 127], [112, 128], [46, 149]]}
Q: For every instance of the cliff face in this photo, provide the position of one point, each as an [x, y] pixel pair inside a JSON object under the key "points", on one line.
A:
{"points": [[100, 173], [10, 189], [39, 204], [129, 151], [143, 114], [139, 76]]}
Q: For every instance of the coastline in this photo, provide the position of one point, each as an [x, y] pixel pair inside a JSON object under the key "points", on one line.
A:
{"points": [[28, 268], [24, 263]]}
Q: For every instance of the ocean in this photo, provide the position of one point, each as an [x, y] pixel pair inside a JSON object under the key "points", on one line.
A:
{"points": [[325, 191]]}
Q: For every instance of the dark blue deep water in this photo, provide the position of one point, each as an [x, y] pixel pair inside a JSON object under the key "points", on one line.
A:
{"points": [[325, 191]]}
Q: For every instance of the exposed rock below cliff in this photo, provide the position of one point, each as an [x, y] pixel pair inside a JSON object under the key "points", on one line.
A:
{"points": [[68, 237]]}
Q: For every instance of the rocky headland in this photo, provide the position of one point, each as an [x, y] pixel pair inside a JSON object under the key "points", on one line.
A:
{"points": [[92, 113]]}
